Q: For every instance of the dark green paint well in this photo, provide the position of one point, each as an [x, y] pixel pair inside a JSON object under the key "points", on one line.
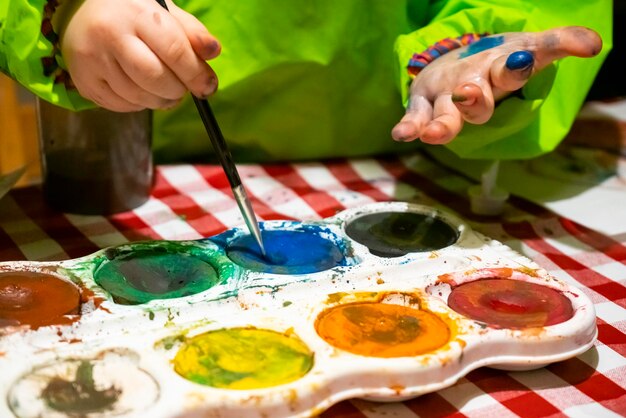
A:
{"points": [[165, 271]]}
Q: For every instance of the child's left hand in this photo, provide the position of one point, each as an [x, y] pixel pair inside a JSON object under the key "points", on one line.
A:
{"points": [[462, 85]]}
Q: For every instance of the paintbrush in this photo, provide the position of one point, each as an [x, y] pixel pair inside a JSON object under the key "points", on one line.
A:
{"points": [[226, 160]]}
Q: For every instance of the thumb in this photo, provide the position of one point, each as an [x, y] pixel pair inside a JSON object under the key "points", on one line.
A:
{"points": [[509, 73]]}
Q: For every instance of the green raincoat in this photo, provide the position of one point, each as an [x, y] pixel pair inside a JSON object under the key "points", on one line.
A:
{"points": [[327, 78]]}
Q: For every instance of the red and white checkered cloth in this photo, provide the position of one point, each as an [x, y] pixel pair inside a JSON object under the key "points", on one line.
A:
{"points": [[194, 201]]}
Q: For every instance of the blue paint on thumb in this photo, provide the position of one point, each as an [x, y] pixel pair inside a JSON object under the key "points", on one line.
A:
{"points": [[520, 60]]}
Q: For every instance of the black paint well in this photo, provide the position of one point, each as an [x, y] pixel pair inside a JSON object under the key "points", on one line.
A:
{"points": [[394, 234]]}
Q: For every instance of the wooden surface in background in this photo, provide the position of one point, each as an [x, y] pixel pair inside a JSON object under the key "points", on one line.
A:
{"points": [[19, 143]]}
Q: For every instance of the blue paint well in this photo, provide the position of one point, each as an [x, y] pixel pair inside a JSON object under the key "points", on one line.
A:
{"points": [[299, 251], [520, 60], [482, 45]]}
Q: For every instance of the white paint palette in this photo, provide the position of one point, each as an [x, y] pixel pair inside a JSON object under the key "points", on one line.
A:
{"points": [[203, 328]]}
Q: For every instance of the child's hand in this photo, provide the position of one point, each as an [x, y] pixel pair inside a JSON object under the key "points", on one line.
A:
{"points": [[462, 85], [128, 55]]}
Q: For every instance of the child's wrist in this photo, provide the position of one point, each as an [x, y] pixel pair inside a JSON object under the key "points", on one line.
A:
{"points": [[419, 61], [55, 15]]}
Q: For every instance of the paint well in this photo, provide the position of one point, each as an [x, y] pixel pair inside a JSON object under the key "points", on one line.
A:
{"points": [[36, 299], [382, 329], [394, 234], [299, 251], [109, 384], [506, 303], [243, 358], [134, 277], [80, 395]]}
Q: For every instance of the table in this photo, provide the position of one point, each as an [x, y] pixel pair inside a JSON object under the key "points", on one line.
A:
{"points": [[194, 201]]}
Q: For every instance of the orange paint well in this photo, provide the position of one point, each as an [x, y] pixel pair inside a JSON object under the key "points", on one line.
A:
{"points": [[386, 330], [36, 299]]}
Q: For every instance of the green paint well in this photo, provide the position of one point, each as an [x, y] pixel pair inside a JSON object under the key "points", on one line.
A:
{"points": [[80, 396], [243, 358], [394, 234], [158, 272]]}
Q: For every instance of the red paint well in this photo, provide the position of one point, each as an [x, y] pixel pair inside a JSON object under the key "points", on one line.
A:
{"points": [[506, 303]]}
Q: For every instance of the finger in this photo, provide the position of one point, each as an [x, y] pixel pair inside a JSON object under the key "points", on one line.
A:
{"points": [[566, 41], [165, 37], [446, 124], [418, 113], [203, 43], [146, 70], [475, 102], [510, 73], [104, 96], [126, 88]]}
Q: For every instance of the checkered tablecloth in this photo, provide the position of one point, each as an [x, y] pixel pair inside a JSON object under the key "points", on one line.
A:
{"points": [[194, 201]]}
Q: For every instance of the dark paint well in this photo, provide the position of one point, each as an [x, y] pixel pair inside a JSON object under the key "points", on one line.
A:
{"points": [[394, 234]]}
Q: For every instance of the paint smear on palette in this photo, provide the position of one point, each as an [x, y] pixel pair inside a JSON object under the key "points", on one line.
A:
{"points": [[107, 386], [394, 234], [134, 277], [243, 358], [382, 329], [37, 299], [505, 303], [299, 251]]}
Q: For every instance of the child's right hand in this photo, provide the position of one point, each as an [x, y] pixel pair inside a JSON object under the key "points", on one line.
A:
{"points": [[127, 55]]}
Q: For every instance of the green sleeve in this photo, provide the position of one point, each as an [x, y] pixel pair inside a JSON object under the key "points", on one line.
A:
{"points": [[29, 56], [535, 122]]}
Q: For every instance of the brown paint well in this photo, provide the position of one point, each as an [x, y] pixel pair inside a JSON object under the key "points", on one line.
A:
{"points": [[382, 329], [36, 299]]}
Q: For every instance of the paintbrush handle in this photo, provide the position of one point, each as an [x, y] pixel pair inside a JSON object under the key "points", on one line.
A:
{"points": [[228, 165], [215, 135], [218, 142], [223, 154]]}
